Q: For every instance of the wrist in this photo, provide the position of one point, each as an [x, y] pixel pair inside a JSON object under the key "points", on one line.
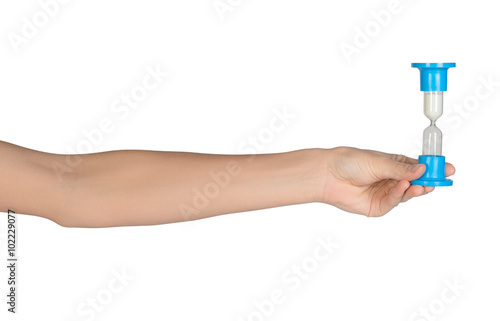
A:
{"points": [[326, 179], [299, 175], [319, 173]]}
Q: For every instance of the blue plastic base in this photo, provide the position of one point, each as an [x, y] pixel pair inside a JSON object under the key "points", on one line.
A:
{"points": [[445, 182], [434, 172]]}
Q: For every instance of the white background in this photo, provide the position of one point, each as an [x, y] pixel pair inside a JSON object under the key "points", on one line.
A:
{"points": [[227, 73]]}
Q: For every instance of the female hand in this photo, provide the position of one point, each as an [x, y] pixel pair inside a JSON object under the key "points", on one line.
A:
{"points": [[370, 182]]}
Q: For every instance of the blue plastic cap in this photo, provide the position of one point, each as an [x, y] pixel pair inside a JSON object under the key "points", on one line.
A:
{"points": [[433, 75], [434, 171]]}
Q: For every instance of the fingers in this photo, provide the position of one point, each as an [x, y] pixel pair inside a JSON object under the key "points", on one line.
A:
{"points": [[397, 157], [403, 159], [401, 192], [449, 169], [415, 191], [394, 197], [409, 160], [386, 168], [401, 167], [401, 170]]}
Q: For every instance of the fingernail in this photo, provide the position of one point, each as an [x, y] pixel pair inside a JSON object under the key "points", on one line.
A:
{"points": [[414, 168]]}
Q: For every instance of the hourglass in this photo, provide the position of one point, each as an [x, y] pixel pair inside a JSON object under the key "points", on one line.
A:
{"points": [[433, 81]]}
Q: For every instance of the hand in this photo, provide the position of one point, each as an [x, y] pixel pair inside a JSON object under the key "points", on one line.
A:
{"points": [[370, 182]]}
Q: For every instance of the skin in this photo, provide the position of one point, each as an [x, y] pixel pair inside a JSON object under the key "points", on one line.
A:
{"points": [[140, 187]]}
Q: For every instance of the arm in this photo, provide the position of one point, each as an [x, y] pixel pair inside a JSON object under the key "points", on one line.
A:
{"points": [[136, 187], [27, 183], [139, 187]]}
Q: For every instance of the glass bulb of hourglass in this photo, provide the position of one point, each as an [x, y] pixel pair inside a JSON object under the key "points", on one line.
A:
{"points": [[433, 140], [433, 104]]}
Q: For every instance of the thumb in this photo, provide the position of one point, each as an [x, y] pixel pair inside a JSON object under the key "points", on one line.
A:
{"points": [[392, 169]]}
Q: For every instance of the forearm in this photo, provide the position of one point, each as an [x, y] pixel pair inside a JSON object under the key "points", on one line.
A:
{"points": [[132, 187]]}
